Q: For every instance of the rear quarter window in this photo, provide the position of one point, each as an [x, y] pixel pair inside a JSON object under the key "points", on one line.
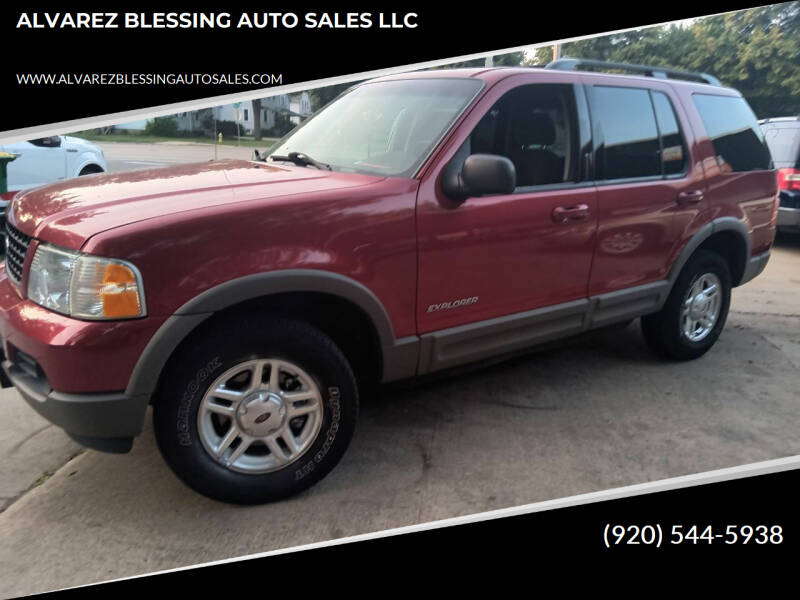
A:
{"points": [[734, 131]]}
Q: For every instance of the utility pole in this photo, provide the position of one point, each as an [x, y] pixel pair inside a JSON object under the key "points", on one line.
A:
{"points": [[556, 51], [489, 62]]}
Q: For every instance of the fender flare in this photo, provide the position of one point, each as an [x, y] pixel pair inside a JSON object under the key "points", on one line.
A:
{"points": [[716, 226], [400, 356], [89, 160]]}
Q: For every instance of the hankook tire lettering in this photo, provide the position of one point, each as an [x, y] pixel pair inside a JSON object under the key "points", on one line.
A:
{"points": [[184, 439]]}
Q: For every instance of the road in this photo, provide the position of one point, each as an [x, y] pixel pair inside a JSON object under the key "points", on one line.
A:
{"points": [[129, 157], [598, 412]]}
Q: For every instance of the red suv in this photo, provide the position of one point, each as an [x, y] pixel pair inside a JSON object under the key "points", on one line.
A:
{"points": [[419, 222]]}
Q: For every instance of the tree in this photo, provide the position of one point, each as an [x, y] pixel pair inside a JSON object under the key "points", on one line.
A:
{"points": [[161, 126], [509, 59], [757, 51], [321, 96]]}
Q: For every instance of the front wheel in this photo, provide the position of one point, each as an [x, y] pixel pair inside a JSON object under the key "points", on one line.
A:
{"points": [[257, 410], [695, 311]]}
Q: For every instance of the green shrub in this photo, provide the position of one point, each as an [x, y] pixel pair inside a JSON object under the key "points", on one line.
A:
{"points": [[228, 129], [162, 126], [283, 125]]}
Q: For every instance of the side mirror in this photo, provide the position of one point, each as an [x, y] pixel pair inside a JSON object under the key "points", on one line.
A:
{"points": [[481, 174]]}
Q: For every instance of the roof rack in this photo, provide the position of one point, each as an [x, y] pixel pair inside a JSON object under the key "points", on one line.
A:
{"points": [[573, 64]]}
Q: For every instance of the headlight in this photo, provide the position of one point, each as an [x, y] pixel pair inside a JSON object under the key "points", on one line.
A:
{"points": [[85, 286]]}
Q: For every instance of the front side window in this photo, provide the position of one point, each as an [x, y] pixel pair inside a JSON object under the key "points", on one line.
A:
{"points": [[382, 128], [534, 126], [628, 135], [734, 132]]}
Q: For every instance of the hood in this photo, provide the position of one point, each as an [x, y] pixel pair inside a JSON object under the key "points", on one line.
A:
{"points": [[68, 213]]}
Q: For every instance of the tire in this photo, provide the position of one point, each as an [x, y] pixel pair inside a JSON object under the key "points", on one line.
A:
{"points": [[192, 424], [673, 332]]}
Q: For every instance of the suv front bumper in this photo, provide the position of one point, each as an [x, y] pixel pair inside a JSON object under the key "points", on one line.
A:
{"points": [[73, 372], [106, 422]]}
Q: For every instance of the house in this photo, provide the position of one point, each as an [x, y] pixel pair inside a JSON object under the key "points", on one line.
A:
{"points": [[300, 106], [297, 108], [132, 125]]}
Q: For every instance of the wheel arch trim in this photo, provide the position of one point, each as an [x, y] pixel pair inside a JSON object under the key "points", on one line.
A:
{"points": [[399, 355], [719, 225]]}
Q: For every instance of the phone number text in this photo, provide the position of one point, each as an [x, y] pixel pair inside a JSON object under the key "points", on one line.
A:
{"points": [[658, 535]]}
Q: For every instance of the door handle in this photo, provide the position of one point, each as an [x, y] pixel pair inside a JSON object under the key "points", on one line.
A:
{"points": [[565, 214], [692, 197]]}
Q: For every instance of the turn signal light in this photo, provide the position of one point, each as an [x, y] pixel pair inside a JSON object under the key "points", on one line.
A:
{"points": [[119, 293]]}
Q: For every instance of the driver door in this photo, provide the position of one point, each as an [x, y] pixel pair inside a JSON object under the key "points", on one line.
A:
{"points": [[498, 272]]}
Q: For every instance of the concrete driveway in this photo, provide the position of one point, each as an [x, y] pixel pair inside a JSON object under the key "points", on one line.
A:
{"points": [[597, 413]]}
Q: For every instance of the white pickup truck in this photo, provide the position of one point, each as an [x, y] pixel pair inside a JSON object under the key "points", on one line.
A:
{"points": [[46, 160]]}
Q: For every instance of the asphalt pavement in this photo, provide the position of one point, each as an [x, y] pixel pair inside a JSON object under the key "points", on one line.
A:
{"points": [[132, 156]]}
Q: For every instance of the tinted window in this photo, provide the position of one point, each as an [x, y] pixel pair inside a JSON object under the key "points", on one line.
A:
{"points": [[629, 136], [734, 131], [784, 144], [47, 142], [535, 127], [673, 149]]}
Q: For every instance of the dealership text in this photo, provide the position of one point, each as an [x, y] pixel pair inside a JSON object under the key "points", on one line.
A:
{"points": [[213, 20]]}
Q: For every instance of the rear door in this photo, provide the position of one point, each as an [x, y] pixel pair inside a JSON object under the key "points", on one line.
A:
{"points": [[649, 191]]}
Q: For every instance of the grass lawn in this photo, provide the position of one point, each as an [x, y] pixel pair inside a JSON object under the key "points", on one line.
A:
{"points": [[136, 138]]}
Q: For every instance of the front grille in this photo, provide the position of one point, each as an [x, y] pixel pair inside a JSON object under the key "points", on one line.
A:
{"points": [[16, 248]]}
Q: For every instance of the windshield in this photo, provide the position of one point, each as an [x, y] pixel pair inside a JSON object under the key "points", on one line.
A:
{"points": [[386, 127]]}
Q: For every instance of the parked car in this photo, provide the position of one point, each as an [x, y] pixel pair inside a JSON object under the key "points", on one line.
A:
{"points": [[419, 222], [783, 139], [49, 159]]}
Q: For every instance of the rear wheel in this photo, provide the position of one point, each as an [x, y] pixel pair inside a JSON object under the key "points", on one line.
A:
{"points": [[695, 311], [257, 410]]}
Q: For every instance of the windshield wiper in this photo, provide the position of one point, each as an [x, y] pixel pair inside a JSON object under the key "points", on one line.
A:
{"points": [[303, 160]]}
